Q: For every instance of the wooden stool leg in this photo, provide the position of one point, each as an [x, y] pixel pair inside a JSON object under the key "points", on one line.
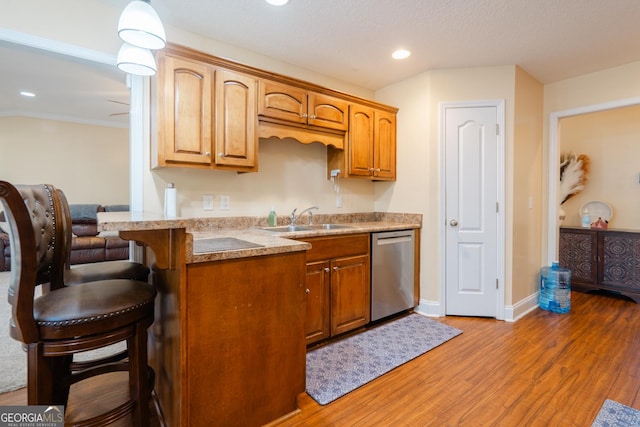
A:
{"points": [[39, 376], [61, 370], [46, 377]]}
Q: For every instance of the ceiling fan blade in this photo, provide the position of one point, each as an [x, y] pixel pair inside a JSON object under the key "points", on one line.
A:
{"points": [[118, 102]]}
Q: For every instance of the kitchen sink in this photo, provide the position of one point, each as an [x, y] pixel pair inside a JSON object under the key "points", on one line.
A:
{"points": [[327, 226], [292, 228], [289, 228]]}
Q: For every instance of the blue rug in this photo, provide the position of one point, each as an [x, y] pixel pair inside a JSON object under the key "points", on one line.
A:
{"points": [[614, 414], [339, 368]]}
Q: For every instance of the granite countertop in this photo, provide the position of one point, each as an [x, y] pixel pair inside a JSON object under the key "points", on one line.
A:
{"points": [[214, 239]]}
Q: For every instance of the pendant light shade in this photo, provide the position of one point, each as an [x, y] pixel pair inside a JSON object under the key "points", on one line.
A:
{"points": [[140, 26], [136, 60]]}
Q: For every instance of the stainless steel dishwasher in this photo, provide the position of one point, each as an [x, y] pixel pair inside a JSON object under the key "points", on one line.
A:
{"points": [[392, 272]]}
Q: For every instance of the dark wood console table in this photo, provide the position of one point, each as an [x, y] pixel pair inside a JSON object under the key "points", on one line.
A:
{"points": [[602, 259]]}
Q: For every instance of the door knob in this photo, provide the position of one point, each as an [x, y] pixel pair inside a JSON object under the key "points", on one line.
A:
{"points": [[453, 222]]}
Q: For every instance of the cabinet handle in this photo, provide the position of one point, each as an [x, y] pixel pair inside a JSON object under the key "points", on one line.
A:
{"points": [[220, 154], [307, 291], [208, 154], [378, 170], [304, 116], [312, 116], [326, 269], [335, 268]]}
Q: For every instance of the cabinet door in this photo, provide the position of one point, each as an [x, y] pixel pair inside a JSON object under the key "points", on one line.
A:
{"points": [[317, 322], [384, 146], [361, 128], [184, 111], [350, 293], [327, 111], [578, 252], [235, 135], [280, 101], [619, 255]]}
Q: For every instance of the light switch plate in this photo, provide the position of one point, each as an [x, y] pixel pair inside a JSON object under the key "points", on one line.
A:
{"points": [[225, 202], [207, 202]]}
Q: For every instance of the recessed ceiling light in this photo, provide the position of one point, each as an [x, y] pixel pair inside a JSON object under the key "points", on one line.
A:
{"points": [[278, 2], [400, 54], [28, 94]]}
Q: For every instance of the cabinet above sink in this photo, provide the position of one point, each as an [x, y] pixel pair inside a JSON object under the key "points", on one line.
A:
{"points": [[210, 113]]}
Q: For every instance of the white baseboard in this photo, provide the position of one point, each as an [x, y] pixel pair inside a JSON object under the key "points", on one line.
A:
{"points": [[512, 313], [430, 308]]}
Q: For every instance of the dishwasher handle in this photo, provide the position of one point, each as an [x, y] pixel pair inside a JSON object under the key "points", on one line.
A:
{"points": [[393, 240]]}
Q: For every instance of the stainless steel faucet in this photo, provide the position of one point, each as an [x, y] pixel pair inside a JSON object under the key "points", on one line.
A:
{"points": [[294, 218]]}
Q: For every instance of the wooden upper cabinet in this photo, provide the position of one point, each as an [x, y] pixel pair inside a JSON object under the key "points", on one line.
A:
{"points": [[296, 105], [372, 144], [327, 111], [384, 146], [361, 141], [235, 126], [206, 115], [280, 101], [209, 112], [184, 110]]}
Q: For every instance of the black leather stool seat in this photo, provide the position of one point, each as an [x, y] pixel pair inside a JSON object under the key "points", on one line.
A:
{"points": [[107, 305], [106, 270]]}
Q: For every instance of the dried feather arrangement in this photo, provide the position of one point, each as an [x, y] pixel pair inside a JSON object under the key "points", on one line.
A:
{"points": [[574, 174]]}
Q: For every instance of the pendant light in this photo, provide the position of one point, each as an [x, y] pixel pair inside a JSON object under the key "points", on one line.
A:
{"points": [[140, 26], [141, 30], [136, 60]]}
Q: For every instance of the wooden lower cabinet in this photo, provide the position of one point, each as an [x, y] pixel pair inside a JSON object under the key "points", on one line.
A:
{"points": [[602, 259], [337, 285], [230, 347]]}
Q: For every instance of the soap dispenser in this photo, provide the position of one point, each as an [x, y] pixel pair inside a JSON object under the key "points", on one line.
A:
{"points": [[273, 218]]}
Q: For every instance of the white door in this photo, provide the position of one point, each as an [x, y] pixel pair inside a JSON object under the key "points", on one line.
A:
{"points": [[471, 210]]}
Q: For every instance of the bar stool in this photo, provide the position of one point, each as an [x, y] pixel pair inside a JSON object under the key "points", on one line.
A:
{"points": [[66, 320]]}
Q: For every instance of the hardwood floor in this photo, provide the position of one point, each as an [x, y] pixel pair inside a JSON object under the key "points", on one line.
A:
{"points": [[546, 369]]}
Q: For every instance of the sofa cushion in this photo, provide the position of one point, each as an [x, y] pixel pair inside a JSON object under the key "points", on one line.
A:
{"points": [[115, 242], [116, 208], [84, 213], [84, 230], [87, 243]]}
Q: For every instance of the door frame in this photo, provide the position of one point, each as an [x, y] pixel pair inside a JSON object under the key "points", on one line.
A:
{"points": [[554, 164], [499, 104]]}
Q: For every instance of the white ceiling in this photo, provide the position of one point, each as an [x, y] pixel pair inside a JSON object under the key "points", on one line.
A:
{"points": [[352, 40], [66, 88]]}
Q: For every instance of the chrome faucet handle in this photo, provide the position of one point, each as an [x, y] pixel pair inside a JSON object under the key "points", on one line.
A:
{"points": [[293, 216]]}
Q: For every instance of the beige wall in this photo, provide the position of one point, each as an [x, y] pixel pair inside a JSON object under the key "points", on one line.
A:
{"points": [[527, 187], [611, 139], [89, 163]]}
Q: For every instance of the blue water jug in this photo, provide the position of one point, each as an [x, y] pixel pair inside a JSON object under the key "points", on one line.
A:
{"points": [[555, 289]]}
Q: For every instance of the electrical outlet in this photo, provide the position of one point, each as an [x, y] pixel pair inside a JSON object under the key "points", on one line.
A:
{"points": [[225, 202], [207, 202]]}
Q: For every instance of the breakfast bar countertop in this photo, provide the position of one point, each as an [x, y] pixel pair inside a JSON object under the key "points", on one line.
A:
{"points": [[214, 239]]}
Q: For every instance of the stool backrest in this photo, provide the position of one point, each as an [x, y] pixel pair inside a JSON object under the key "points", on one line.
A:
{"points": [[38, 249]]}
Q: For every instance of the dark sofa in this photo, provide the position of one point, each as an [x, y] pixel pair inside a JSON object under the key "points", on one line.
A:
{"points": [[87, 245]]}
